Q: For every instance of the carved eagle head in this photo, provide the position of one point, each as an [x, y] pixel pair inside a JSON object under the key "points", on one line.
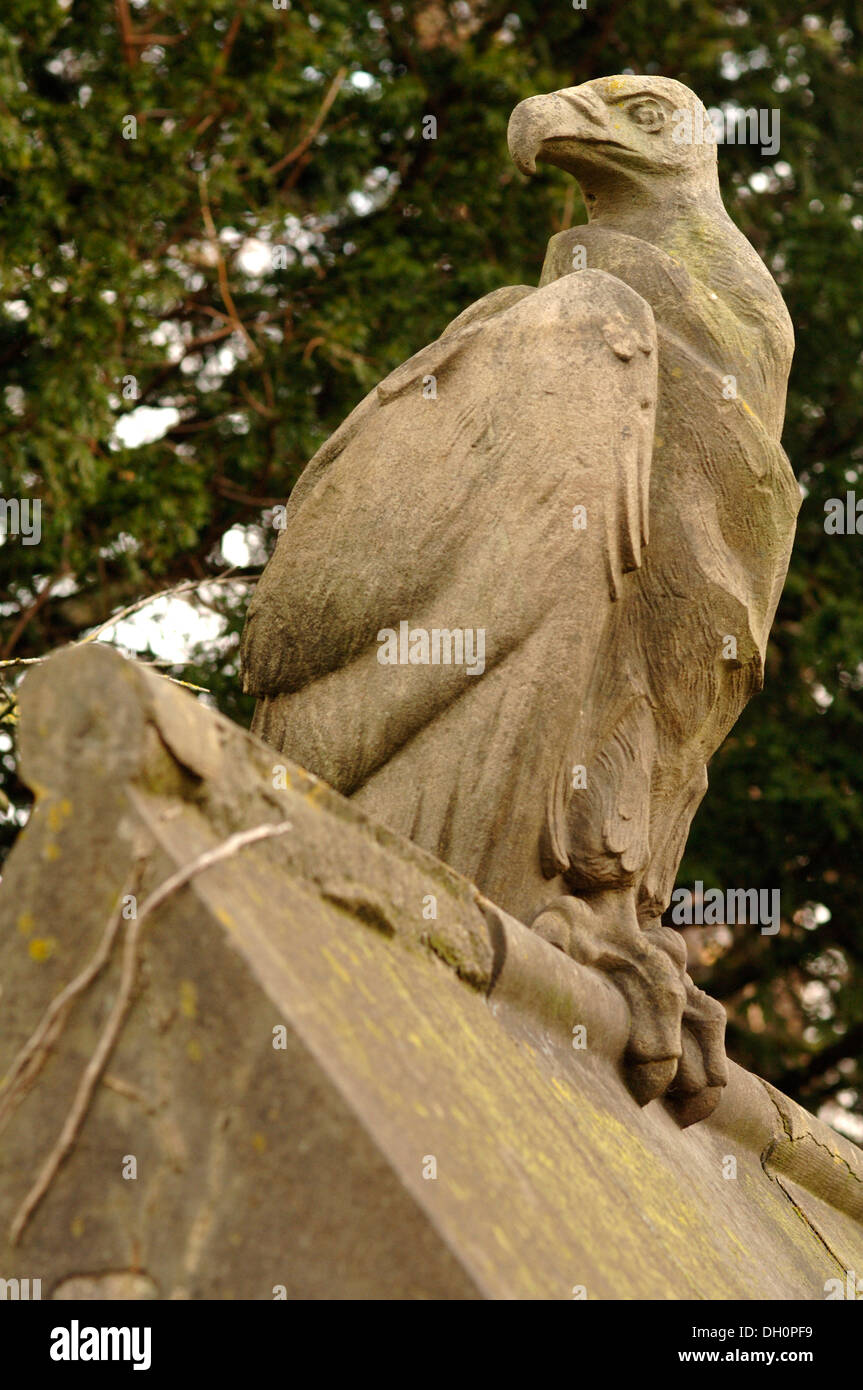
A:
{"points": [[616, 132]]}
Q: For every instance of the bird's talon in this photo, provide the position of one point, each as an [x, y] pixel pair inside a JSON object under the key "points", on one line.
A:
{"points": [[648, 1081]]}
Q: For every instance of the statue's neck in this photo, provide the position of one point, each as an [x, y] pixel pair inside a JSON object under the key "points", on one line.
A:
{"points": [[663, 222]]}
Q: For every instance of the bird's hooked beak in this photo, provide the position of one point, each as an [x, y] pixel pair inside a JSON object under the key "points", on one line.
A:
{"points": [[546, 127]]}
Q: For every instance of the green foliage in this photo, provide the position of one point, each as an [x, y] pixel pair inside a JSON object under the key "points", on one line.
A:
{"points": [[264, 121]]}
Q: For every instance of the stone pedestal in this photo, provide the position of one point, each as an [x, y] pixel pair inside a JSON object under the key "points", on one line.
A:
{"points": [[342, 1072]]}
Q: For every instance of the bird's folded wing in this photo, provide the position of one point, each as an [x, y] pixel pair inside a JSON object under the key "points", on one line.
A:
{"points": [[514, 489], [426, 361]]}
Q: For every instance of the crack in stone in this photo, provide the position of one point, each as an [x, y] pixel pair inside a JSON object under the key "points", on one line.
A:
{"points": [[806, 1221], [792, 1139], [776, 1178]]}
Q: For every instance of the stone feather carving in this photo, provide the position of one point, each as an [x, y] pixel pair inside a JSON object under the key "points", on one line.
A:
{"points": [[589, 474]]}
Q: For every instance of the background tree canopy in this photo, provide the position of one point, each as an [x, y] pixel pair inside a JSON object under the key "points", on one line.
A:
{"points": [[279, 234]]}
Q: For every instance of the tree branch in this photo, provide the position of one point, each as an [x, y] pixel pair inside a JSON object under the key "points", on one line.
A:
{"points": [[221, 270], [315, 127]]}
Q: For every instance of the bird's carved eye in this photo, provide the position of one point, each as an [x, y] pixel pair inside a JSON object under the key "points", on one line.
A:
{"points": [[648, 115]]}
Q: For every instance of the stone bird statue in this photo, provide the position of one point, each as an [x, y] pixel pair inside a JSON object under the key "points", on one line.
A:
{"points": [[524, 591]]}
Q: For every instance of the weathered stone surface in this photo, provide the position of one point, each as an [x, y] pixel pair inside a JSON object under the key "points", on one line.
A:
{"points": [[406, 1039], [595, 487]]}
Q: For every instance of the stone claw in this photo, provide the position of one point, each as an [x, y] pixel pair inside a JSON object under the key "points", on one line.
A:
{"points": [[676, 1040], [703, 1068]]}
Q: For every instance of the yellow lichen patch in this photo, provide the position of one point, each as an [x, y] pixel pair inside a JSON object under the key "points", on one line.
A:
{"points": [[76, 1226], [500, 1237], [342, 974], [50, 850], [733, 1239], [26, 923], [58, 812], [41, 947], [225, 917], [363, 989], [188, 999], [194, 1051], [259, 1143]]}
